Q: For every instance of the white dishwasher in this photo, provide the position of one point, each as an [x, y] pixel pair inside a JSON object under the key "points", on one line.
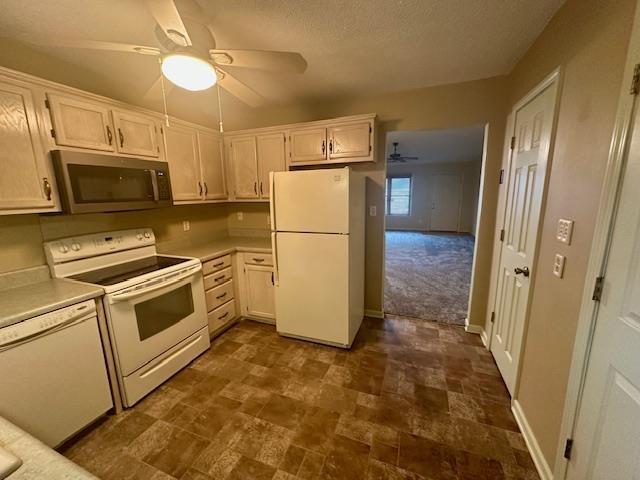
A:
{"points": [[53, 376]]}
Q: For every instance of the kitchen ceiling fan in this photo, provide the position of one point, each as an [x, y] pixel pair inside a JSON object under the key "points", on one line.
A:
{"points": [[188, 54], [395, 157]]}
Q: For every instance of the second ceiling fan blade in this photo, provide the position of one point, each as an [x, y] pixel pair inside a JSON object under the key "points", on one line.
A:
{"points": [[260, 60], [155, 90], [239, 90], [98, 45], [169, 20]]}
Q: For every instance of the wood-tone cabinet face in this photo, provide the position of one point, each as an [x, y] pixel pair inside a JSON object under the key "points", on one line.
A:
{"points": [[271, 158], [244, 164], [181, 147], [212, 166], [260, 295], [24, 177], [348, 141], [135, 134], [308, 145], [80, 123]]}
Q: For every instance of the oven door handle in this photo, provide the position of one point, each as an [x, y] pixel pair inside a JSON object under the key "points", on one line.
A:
{"points": [[167, 282]]}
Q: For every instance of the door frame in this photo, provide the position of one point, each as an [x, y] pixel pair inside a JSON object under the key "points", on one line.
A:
{"points": [[600, 245], [554, 77]]}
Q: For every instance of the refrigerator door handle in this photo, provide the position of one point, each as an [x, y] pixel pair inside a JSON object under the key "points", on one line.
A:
{"points": [[272, 200], [274, 248]]}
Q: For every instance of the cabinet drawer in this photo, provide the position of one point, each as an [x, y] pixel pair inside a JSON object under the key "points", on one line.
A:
{"points": [[258, 258], [221, 316], [219, 295], [218, 278], [216, 264]]}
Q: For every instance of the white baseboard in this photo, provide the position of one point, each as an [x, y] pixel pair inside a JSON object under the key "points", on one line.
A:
{"points": [[485, 338], [374, 313], [469, 328], [532, 444]]}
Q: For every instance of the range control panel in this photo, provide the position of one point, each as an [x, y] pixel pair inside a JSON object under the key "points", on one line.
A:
{"points": [[83, 246]]}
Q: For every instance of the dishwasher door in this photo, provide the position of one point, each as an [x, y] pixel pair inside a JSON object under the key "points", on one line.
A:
{"points": [[53, 375]]}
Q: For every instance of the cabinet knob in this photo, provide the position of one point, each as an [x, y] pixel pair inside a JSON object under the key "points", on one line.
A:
{"points": [[255, 187], [323, 146], [121, 136], [206, 189], [199, 188], [330, 146], [109, 135], [47, 187]]}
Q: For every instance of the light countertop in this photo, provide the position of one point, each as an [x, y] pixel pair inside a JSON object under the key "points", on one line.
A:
{"points": [[30, 300], [221, 246]]}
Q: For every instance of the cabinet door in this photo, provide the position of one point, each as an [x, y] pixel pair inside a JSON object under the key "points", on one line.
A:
{"points": [[212, 166], [135, 134], [270, 159], [245, 167], [308, 145], [350, 141], [80, 123], [24, 177], [259, 291], [181, 146]]}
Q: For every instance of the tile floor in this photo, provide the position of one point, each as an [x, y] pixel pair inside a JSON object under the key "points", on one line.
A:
{"points": [[410, 400]]}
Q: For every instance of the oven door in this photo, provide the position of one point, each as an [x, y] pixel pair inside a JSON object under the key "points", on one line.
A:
{"points": [[91, 182], [148, 319]]}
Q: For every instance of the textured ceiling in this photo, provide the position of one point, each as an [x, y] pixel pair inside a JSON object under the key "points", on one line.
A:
{"points": [[439, 146], [352, 47]]}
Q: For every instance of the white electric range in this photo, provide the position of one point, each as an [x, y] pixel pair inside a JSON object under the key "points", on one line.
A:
{"points": [[154, 304]]}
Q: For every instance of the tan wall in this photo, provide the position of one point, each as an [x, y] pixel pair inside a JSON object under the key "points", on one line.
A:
{"points": [[457, 105], [422, 179], [588, 38]]}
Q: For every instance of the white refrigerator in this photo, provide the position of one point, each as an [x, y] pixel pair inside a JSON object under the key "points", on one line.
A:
{"points": [[317, 235]]}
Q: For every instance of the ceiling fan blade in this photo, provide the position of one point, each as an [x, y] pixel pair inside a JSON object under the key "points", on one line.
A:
{"points": [[238, 89], [98, 45], [261, 60], [169, 20], [155, 90]]}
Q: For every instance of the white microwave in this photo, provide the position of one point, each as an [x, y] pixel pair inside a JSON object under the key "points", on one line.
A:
{"points": [[93, 182]]}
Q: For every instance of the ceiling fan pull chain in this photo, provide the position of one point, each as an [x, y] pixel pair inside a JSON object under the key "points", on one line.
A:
{"points": [[164, 96], [219, 109]]}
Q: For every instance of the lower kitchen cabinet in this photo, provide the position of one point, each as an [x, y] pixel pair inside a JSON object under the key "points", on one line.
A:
{"points": [[219, 293], [259, 294]]}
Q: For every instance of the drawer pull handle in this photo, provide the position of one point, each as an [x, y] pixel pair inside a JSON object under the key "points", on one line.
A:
{"points": [[221, 296], [258, 260], [217, 279], [216, 265], [223, 315]]}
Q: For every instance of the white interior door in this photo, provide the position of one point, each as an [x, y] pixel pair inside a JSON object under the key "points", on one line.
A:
{"points": [[533, 129], [446, 195], [607, 435]]}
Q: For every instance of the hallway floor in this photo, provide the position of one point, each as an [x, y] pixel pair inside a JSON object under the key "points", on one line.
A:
{"points": [[428, 275], [410, 400]]}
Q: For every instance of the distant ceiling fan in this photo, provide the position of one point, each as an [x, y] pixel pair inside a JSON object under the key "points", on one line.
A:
{"points": [[395, 157], [189, 58]]}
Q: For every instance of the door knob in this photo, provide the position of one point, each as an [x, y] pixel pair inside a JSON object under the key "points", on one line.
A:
{"points": [[524, 271]]}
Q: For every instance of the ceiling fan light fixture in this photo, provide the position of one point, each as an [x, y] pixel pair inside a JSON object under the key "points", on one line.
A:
{"points": [[189, 72]]}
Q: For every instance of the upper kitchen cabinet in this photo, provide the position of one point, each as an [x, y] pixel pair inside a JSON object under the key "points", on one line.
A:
{"points": [[271, 158], [136, 134], [244, 165], [181, 150], [26, 184], [212, 166], [350, 141], [308, 145], [80, 123]]}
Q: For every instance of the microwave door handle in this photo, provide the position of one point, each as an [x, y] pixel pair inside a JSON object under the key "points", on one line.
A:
{"points": [[121, 297], [154, 185]]}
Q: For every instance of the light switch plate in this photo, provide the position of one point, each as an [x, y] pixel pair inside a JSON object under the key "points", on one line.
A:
{"points": [[186, 225], [373, 211], [564, 230], [558, 265], [240, 216]]}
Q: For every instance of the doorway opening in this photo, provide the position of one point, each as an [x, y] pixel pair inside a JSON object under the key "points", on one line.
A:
{"points": [[431, 209]]}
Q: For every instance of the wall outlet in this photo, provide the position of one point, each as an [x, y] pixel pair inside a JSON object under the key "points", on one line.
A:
{"points": [[564, 230], [558, 265], [373, 211], [240, 216], [186, 225]]}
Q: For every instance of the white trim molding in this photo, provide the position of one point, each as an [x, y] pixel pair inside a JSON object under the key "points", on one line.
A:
{"points": [[484, 336], [471, 328], [544, 470], [374, 313]]}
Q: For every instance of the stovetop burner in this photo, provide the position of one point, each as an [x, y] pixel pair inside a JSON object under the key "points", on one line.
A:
{"points": [[126, 271]]}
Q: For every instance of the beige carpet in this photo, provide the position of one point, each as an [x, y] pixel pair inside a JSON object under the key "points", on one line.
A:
{"points": [[428, 275]]}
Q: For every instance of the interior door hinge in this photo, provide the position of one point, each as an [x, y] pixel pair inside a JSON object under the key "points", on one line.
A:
{"points": [[597, 289], [568, 446], [635, 80], [53, 133], [501, 176], [502, 235], [513, 143], [493, 317], [46, 103]]}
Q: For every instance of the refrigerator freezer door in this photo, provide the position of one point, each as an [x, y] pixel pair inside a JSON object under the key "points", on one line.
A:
{"points": [[315, 201], [312, 296]]}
